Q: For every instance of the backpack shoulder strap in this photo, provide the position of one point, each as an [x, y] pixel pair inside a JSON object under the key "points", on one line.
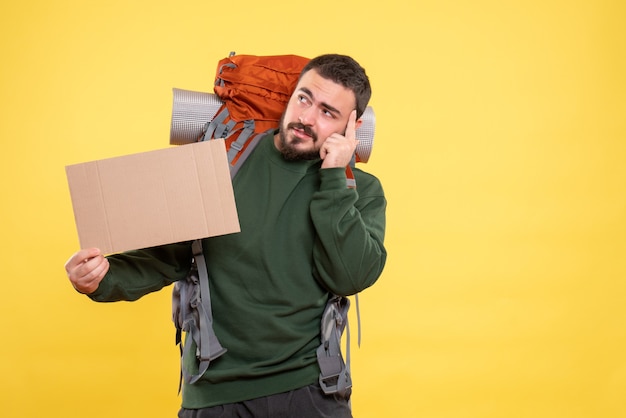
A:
{"points": [[209, 347], [191, 311], [191, 298], [243, 153]]}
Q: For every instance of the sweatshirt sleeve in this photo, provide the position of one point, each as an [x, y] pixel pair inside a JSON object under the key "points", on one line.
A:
{"points": [[134, 274], [349, 253]]}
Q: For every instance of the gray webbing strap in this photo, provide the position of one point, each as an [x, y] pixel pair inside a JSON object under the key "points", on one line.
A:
{"points": [[234, 167], [224, 129], [358, 320], [209, 346], [237, 144], [217, 128], [179, 311], [219, 81], [334, 375], [211, 127]]}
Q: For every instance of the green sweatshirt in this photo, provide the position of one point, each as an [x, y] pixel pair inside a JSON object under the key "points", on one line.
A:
{"points": [[303, 234]]}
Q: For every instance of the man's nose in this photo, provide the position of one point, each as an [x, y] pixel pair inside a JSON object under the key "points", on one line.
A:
{"points": [[306, 117]]}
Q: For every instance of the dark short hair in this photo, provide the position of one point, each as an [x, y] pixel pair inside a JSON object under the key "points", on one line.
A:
{"points": [[345, 71]]}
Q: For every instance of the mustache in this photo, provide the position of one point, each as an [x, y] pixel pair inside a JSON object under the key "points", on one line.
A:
{"points": [[307, 129]]}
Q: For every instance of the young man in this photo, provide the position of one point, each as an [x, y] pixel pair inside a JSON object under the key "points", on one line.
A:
{"points": [[304, 236]]}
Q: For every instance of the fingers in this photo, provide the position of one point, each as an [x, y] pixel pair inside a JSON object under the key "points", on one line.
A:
{"points": [[80, 257], [351, 127], [337, 150], [86, 269]]}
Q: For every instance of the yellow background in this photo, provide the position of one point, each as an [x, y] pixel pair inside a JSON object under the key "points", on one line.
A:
{"points": [[500, 142]]}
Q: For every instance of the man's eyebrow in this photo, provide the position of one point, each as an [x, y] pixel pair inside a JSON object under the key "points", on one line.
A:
{"points": [[324, 105]]}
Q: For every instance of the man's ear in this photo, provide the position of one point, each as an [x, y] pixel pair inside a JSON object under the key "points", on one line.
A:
{"points": [[358, 123]]}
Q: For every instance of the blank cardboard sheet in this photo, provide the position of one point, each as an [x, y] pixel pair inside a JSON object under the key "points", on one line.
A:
{"points": [[153, 198]]}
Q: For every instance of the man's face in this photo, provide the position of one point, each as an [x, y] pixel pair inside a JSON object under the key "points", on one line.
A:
{"points": [[317, 109]]}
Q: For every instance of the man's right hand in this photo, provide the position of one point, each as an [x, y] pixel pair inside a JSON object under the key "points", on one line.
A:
{"points": [[86, 269]]}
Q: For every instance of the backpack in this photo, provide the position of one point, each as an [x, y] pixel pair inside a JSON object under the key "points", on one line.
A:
{"points": [[251, 93]]}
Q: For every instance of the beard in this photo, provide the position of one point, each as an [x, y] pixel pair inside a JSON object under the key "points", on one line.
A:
{"points": [[288, 146]]}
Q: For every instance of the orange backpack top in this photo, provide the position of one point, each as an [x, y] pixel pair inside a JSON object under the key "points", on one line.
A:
{"points": [[257, 87], [255, 91]]}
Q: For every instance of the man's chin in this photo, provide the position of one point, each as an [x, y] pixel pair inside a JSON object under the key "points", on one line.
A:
{"points": [[293, 152], [294, 148]]}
